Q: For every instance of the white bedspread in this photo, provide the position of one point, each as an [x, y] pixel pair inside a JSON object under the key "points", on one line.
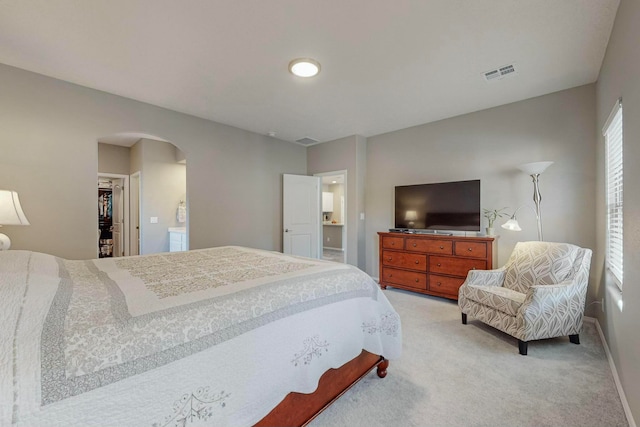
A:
{"points": [[209, 337]]}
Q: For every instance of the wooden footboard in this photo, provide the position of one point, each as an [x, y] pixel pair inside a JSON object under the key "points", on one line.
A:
{"points": [[298, 409]]}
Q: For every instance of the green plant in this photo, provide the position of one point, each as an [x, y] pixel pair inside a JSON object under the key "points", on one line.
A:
{"points": [[493, 214]]}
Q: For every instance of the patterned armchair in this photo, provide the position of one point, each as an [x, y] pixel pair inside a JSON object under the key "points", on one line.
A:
{"points": [[540, 292]]}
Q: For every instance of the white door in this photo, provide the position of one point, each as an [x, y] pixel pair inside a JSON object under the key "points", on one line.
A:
{"points": [[301, 215]]}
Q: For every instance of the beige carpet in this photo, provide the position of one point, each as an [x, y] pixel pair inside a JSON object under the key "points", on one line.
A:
{"points": [[472, 375]]}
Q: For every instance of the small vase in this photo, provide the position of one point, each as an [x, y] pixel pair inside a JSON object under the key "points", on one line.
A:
{"points": [[490, 231]]}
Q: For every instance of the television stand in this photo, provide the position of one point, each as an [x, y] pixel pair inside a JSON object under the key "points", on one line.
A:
{"points": [[432, 264]]}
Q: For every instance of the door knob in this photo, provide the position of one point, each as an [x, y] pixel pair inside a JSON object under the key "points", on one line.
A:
{"points": [[286, 230]]}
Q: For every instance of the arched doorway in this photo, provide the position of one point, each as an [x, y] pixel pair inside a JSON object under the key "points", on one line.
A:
{"points": [[154, 195]]}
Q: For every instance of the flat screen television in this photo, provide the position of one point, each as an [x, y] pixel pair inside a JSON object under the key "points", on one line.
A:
{"points": [[448, 206]]}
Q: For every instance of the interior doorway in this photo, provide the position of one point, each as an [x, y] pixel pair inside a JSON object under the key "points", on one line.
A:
{"points": [[334, 215], [159, 205], [113, 212]]}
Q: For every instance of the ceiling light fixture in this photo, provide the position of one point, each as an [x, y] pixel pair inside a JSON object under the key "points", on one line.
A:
{"points": [[304, 67]]}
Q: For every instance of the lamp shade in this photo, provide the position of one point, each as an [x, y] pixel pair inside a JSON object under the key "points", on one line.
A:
{"points": [[534, 168], [512, 225], [10, 210]]}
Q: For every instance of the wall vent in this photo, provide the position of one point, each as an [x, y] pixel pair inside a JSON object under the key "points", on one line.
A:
{"points": [[307, 141], [500, 72]]}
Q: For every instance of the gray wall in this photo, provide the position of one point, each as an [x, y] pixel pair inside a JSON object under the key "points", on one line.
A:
{"points": [[361, 187], [342, 154], [488, 145], [113, 159], [48, 135], [619, 78]]}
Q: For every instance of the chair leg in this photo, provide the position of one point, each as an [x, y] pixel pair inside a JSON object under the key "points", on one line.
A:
{"points": [[574, 338], [522, 346], [464, 318]]}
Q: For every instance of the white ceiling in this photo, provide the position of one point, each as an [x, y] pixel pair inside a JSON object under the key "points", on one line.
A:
{"points": [[386, 65]]}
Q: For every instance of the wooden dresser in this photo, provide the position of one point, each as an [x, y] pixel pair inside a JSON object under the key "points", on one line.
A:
{"points": [[432, 264]]}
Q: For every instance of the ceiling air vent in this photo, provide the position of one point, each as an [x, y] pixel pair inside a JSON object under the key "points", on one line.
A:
{"points": [[501, 72], [307, 141]]}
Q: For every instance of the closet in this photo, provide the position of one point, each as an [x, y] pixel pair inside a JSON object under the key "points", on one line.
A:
{"points": [[110, 205], [105, 222]]}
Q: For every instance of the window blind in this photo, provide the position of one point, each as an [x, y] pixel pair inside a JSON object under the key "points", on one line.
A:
{"points": [[614, 156]]}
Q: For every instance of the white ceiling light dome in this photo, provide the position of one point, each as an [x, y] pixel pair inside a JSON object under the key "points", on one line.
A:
{"points": [[304, 67]]}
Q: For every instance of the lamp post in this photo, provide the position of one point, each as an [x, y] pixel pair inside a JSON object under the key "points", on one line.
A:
{"points": [[534, 170]]}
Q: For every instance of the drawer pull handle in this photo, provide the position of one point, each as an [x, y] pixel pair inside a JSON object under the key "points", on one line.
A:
{"points": [[415, 244], [439, 283], [473, 268], [439, 265], [393, 243], [470, 249], [417, 262], [389, 259], [417, 280], [391, 275], [441, 247]]}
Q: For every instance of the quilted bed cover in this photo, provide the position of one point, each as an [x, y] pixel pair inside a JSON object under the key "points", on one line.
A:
{"points": [[207, 337]]}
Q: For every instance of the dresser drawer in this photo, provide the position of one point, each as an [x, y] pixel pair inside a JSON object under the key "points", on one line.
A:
{"points": [[443, 247], [405, 260], [471, 249], [455, 266], [405, 278], [444, 284], [393, 242]]}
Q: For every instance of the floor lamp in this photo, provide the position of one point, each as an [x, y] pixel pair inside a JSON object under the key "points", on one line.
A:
{"points": [[534, 170]]}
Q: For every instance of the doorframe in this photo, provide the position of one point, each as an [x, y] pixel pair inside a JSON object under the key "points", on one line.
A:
{"points": [[125, 200], [138, 176], [345, 239]]}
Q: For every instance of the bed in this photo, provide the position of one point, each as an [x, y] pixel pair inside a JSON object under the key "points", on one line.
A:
{"points": [[220, 336]]}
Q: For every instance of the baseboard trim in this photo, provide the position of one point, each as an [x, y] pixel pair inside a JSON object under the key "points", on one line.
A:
{"points": [[614, 371], [335, 249]]}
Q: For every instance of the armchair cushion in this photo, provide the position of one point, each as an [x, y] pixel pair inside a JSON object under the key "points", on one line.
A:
{"points": [[497, 297], [486, 277]]}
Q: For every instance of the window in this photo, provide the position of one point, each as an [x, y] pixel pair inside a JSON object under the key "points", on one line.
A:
{"points": [[613, 142]]}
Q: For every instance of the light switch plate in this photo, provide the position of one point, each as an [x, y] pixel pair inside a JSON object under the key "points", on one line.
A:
{"points": [[153, 220]]}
